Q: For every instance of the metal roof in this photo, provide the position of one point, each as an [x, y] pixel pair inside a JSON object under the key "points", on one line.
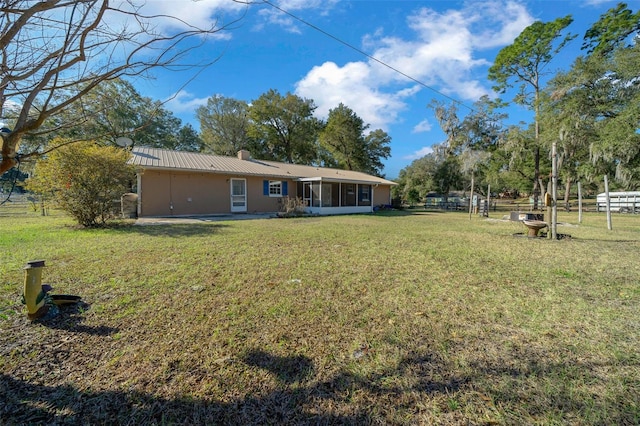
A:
{"points": [[163, 159]]}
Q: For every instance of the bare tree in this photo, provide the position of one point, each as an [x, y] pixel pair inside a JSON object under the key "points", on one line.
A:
{"points": [[54, 52]]}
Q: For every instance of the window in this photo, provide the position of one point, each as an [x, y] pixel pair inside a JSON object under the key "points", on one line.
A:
{"points": [[364, 195], [275, 188]]}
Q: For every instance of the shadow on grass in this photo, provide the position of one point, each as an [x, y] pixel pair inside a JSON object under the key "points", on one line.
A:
{"points": [[298, 400], [171, 229], [286, 369], [70, 319], [402, 213], [571, 392], [522, 390], [27, 403]]}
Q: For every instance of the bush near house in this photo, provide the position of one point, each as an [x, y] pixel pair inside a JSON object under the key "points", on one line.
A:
{"points": [[292, 207], [84, 180]]}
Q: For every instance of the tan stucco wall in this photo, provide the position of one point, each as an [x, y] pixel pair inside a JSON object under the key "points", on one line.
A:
{"points": [[257, 202], [199, 194], [381, 195]]}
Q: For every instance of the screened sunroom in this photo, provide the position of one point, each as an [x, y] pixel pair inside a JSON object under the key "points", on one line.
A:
{"points": [[328, 196]]}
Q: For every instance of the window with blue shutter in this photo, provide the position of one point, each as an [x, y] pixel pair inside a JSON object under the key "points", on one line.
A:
{"points": [[274, 188]]}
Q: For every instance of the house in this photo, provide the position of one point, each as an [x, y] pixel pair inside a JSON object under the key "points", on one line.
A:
{"points": [[177, 183]]}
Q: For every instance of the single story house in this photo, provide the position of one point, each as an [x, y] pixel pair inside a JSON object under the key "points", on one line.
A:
{"points": [[178, 183]]}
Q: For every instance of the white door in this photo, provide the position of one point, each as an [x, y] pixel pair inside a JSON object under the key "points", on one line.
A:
{"points": [[238, 195], [306, 196]]}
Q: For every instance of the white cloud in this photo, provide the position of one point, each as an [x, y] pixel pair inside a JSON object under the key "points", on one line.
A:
{"points": [[510, 19], [597, 2], [201, 14], [184, 101], [419, 154], [329, 85], [422, 127], [274, 16], [443, 54]]}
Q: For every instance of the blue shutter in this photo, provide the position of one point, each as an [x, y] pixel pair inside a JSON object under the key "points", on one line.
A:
{"points": [[284, 188], [265, 187]]}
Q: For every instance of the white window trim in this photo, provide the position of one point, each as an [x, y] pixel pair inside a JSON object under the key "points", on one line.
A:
{"points": [[366, 192], [275, 188]]}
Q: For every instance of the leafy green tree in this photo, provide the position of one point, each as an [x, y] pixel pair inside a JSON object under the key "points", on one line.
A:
{"points": [[376, 147], [112, 110], [344, 139], [613, 41], [612, 30], [594, 108], [188, 139], [164, 130], [417, 177], [566, 121], [83, 179], [447, 176], [116, 109], [284, 128], [512, 164], [524, 61], [482, 128], [451, 125], [224, 125], [468, 144]]}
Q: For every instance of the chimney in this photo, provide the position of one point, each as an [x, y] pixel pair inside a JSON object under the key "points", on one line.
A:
{"points": [[243, 154]]}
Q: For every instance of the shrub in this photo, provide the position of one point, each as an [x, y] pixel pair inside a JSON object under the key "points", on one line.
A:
{"points": [[292, 207], [84, 180]]}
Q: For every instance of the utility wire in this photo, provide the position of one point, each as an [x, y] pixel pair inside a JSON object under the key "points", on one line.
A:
{"points": [[373, 58]]}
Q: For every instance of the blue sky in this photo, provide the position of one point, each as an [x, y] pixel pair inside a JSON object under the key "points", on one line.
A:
{"points": [[446, 46]]}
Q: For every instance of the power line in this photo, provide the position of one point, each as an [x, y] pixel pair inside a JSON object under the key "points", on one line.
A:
{"points": [[373, 58]]}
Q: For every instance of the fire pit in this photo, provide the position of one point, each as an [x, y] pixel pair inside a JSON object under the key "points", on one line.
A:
{"points": [[534, 226]]}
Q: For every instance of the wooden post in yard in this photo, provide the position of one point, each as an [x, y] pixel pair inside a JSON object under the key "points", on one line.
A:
{"points": [[580, 203], [606, 194], [547, 201], [554, 189], [471, 196]]}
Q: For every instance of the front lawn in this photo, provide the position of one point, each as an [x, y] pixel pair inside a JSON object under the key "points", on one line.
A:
{"points": [[395, 318]]}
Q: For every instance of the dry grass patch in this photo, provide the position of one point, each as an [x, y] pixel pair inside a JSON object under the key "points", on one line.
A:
{"points": [[399, 318]]}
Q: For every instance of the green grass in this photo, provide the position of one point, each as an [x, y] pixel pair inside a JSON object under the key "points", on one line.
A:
{"points": [[397, 318]]}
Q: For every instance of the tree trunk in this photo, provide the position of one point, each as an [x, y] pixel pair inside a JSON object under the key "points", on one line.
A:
{"points": [[536, 184], [8, 153]]}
